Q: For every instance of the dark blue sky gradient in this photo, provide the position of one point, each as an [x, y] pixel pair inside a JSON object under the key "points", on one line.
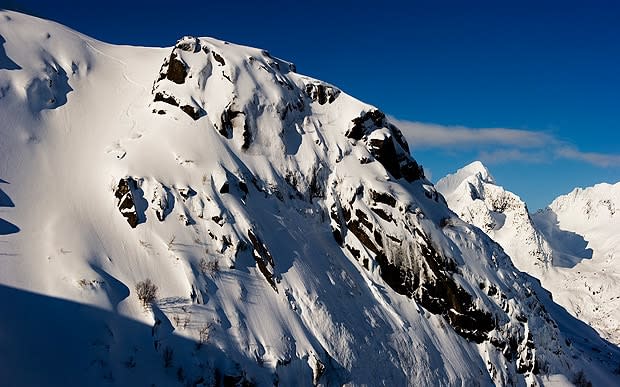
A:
{"points": [[551, 66]]}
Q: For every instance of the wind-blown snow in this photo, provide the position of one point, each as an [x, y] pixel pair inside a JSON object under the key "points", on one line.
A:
{"points": [[293, 239]]}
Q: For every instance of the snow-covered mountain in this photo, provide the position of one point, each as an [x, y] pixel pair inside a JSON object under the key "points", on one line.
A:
{"points": [[583, 228], [593, 213], [570, 246], [205, 215], [472, 193]]}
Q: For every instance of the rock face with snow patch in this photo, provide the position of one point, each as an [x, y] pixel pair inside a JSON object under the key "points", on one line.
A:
{"points": [[124, 193], [295, 240]]}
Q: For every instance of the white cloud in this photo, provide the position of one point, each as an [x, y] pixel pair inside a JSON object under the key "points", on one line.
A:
{"points": [[423, 135], [507, 155], [497, 145], [600, 159]]}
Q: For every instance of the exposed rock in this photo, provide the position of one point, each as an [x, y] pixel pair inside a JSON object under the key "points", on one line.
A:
{"points": [[189, 44], [435, 289], [382, 148], [192, 111], [228, 120], [382, 214], [354, 252], [321, 93], [316, 186], [378, 238], [418, 270], [386, 143], [356, 229], [247, 135], [187, 192], [382, 197], [398, 136], [381, 145], [225, 188], [125, 200], [337, 236], [163, 97], [218, 58], [363, 218], [177, 70], [373, 118], [410, 170], [263, 259]]}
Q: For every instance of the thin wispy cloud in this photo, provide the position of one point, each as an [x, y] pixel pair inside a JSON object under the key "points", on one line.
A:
{"points": [[600, 159], [507, 155], [450, 137], [498, 145]]}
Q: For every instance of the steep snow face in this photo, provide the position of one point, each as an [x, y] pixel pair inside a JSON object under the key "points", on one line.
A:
{"points": [[570, 246], [593, 213], [472, 193], [582, 227], [292, 238]]}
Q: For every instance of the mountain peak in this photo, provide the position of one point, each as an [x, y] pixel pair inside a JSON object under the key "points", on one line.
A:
{"points": [[475, 173], [478, 169], [471, 192]]}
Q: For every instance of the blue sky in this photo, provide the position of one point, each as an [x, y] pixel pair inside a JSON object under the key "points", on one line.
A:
{"points": [[532, 88]]}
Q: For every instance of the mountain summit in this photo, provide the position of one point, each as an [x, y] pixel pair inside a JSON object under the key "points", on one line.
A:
{"points": [[205, 215], [473, 194]]}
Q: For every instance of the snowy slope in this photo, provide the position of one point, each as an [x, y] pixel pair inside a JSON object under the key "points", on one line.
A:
{"points": [[570, 246], [586, 223], [592, 212], [293, 239]]}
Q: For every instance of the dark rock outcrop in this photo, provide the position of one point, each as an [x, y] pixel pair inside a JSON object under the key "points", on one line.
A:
{"points": [[365, 124], [189, 44], [321, 93], [386, 143], [227, 121], [163, 97], [177, 70], [417, 269], [124, 194], [263, 258], [383, 197], [192, 111], [219, 59]]}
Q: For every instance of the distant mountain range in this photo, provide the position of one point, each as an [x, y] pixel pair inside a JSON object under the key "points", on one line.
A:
{"points": [[572, 246]]}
